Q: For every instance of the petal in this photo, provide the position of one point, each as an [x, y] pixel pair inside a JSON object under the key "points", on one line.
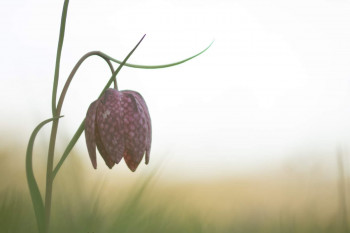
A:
{"points": [[109, 124], [135, 130], [142, 104], [132, 164], [90, 132], [102, 151]]}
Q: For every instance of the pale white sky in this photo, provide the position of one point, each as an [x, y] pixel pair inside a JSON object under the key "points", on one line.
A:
{"points": [[273, 87]]}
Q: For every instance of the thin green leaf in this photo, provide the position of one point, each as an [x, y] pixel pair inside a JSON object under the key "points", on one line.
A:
{"points": [[157, 66], [32, 184], [58, 55]]}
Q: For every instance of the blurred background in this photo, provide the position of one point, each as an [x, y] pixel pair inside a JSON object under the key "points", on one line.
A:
{"points": [[251, 136]]}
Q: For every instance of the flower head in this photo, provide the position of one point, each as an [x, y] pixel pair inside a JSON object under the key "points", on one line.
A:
{"points": [[119, 124]]}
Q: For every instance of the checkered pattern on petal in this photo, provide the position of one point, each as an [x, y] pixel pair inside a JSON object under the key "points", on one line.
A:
{"points": [[135, 130], [108, 160], [144, 107], [119, 125], [109, 124]]}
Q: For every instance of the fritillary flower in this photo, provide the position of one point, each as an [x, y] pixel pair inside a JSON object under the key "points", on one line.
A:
{"points": [[119, 124]]}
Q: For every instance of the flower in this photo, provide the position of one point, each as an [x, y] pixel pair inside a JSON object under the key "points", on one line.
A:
{"points": [[119, 124]]}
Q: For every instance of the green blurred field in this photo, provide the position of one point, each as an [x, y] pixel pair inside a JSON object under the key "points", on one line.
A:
{"points": [[95, 203]]}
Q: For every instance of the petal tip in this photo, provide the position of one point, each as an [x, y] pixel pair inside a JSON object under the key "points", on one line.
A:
{"points": [[110, 165], [132, 166], [94, 164]]}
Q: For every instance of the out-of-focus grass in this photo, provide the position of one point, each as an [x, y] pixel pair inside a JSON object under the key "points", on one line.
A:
{"points": [[93, 203]]}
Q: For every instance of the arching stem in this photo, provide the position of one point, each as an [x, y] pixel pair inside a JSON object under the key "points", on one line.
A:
{"points": [[81, 127], [49, 173], [75, 69]]}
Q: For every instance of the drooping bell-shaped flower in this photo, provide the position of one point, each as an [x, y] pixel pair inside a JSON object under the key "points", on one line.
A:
{"points": [[119, 124]]}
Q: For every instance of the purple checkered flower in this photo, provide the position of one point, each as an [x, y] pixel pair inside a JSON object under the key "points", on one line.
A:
{"points": [[119, 124]]}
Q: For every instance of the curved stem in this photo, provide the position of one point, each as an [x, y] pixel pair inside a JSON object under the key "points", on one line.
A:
{"points": [[49, 173], [74, 70], [81, 127]]}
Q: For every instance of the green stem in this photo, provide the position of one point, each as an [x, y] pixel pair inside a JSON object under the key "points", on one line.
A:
{"points": [[73, 72], [49, 174], [62, 97], [81, 127], [49, 179], [50, 158]]}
